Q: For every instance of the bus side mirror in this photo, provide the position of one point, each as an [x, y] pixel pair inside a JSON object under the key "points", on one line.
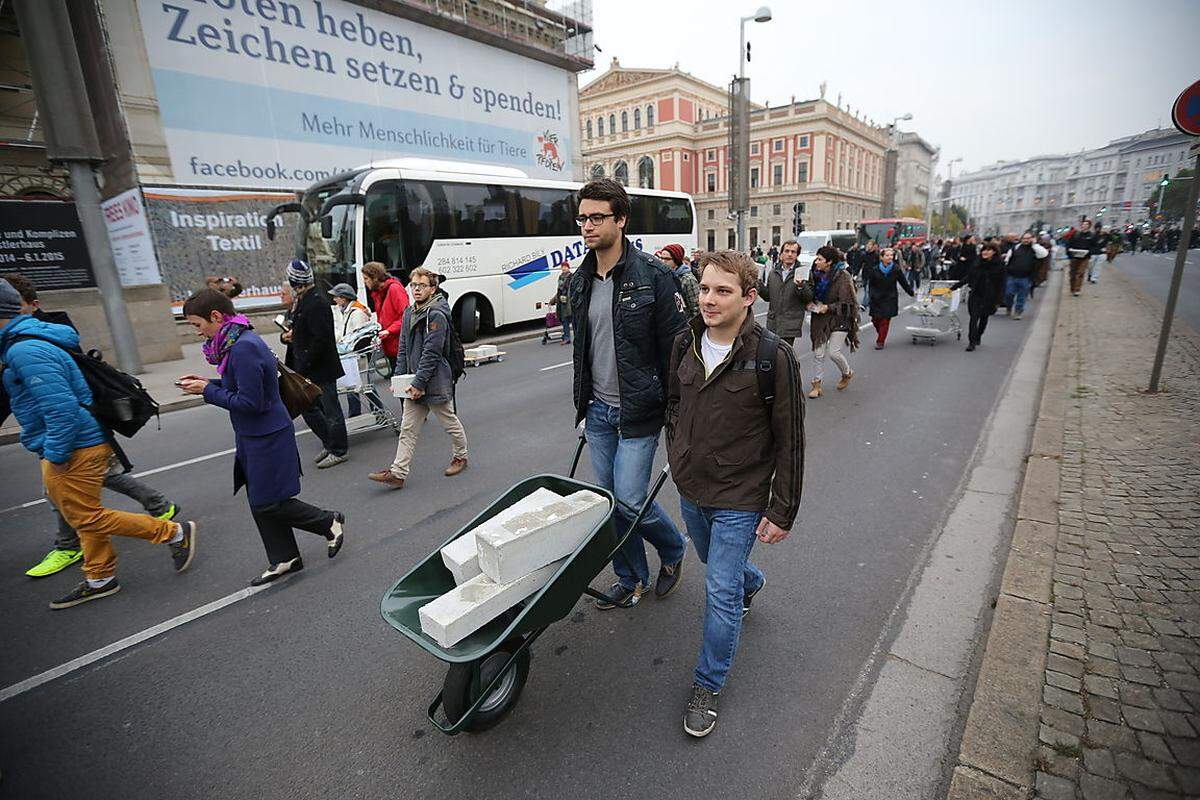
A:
{"points": [[327, 227]]}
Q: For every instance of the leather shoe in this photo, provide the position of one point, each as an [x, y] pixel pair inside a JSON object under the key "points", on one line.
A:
{"points": [[386, 476], [457, 465]]}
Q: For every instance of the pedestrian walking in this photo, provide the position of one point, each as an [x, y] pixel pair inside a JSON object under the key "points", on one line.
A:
{"points": [[561, 301], [966, 255], [349, 315], [672, 257], [867, 261], [424, 354], [834, 325], [628, 311], [915, 260], [782, 291], [49, 396], [986, 279], [390, 300], [266, 460], [737, 458], [1080, 246], [1112, 246], [312, 352], [883, 280], [1022, 266]]}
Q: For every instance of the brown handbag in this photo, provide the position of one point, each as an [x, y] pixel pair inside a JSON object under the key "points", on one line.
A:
{"points": [[297, 392]]}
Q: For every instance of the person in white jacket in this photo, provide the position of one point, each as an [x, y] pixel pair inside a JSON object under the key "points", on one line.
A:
{"points": [[348, 316]]}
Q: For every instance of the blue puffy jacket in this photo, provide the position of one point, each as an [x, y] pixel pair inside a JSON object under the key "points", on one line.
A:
{"points": [[46, 390]]}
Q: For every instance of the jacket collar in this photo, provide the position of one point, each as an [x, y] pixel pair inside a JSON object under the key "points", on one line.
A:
{"points": [[588, 266], [735, 353]]}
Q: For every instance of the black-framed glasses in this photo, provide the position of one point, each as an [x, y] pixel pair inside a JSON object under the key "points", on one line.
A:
{"points": [[595, 219]]}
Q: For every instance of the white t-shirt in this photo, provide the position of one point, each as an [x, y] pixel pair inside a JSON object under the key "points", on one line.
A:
{"points": [[713, 353]]}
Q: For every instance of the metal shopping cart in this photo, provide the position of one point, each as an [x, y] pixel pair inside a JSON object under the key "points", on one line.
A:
{"points": [[361, 353], [937, 306]]}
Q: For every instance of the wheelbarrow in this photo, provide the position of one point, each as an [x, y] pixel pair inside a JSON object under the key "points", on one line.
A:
{"points": [[489, 668]]}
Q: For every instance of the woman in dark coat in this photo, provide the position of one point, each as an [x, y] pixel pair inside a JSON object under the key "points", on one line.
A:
{"points": [[986, 278], [882, 280], [267, 462]]}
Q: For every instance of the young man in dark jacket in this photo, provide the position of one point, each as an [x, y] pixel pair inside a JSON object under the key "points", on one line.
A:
{"points": [[1023, 263], [737, 459], [1081, 244], [781, 290], [312, 351], [627, 309]]}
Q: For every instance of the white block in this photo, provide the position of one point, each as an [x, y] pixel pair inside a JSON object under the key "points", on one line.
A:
{"points": [[526, 542], [465, 609], [482, 351], [461, 556], [400, 384]]}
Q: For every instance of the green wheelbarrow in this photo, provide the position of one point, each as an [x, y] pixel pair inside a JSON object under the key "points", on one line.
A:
{"points": [[488, 669]]}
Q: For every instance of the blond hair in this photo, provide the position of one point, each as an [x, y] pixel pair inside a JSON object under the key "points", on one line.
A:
{"points": [[421, 272], [734, 263]]}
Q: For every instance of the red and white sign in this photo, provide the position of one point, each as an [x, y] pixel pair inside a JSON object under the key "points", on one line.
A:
{"points": [[1186, 111], [129, 239]]}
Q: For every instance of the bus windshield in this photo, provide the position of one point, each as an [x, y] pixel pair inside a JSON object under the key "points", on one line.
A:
{"points": [[332, 259], [891, 231]]}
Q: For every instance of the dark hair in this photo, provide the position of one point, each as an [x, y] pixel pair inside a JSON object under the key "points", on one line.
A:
{"points": [[23, 285], [610, 190], [376, 271], [830, 253], [789, 242], [206, 301], [989, 245]]}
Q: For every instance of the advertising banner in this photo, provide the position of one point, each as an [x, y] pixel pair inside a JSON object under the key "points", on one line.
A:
{"points": [[43, 241], [203, 233], [129, 239], [282, 94]]}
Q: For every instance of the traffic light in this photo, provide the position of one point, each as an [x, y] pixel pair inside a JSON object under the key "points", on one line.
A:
{"points": [[747, 52], [798, 219], [1166, 180]]}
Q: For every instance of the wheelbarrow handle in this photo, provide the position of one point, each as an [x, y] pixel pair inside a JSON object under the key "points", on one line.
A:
{"points": [[578, 452]]}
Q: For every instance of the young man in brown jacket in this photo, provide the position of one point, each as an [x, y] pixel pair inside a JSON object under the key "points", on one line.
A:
{"points": [[735, 440]]}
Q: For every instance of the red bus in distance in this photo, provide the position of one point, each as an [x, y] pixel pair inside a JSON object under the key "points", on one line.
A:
{"points": [[892, 231]]}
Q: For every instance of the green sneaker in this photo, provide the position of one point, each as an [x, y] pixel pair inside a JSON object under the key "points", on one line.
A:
{"points": [[170, 513], [55, 561]]}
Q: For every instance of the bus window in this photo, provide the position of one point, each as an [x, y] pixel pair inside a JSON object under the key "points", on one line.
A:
{"points": [[381, 228], [546, 212], [658, 215]]}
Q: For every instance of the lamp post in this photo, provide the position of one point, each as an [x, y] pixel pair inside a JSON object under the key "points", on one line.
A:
{"points": [[763, 14], [891, 166], [950, 179]]}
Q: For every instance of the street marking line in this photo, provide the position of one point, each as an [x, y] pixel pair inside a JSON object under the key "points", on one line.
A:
{"points": [[556, 366], [155, 471], [126, 643]]}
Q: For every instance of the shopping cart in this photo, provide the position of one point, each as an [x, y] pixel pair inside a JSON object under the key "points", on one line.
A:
{"points": [[937, 306], [361, 354]]}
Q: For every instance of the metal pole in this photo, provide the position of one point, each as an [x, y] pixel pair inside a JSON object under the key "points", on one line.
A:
{"points": [[95, 234], [742, 166], [929, 198], [1189, 221]]}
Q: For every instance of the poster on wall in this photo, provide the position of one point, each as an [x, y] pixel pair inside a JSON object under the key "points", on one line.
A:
{"points": [[282, 94], [203, 233], [129, 239], [43, 241]]}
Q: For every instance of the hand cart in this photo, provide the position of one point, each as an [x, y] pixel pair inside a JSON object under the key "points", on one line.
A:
{"points": [[361, 351], [489, 668], [937, 306]]}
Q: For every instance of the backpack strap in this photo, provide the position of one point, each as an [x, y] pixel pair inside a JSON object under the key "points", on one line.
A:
{"points": [[768, 344]]}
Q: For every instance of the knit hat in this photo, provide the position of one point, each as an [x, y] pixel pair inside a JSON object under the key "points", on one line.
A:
{"points": [[299, 273], [10, 300], [676, 251], [344, 290]]}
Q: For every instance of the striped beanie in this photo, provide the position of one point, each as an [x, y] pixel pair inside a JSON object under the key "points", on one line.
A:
{"points": [[299, 273]]}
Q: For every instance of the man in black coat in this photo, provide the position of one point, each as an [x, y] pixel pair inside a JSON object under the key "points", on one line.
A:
{"points": [[312, 351]]}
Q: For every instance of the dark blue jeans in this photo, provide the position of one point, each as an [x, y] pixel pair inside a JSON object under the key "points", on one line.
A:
{"points": [[566, 328], [623, 466], [723, 539], [1015, 292]]}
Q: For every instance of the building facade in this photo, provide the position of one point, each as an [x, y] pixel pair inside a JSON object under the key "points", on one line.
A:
{"points": [[1108, 184], [914, 171], [666, 129]]}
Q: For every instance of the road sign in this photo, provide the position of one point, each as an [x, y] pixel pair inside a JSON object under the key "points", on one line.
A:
{"points": [[1186, 111]]}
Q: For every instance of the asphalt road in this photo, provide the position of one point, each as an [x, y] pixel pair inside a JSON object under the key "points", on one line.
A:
{"points": [[1152, 272], [303, 691]]}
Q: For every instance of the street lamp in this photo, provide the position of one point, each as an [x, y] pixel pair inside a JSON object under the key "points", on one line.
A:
{"points": [[891, 167], [763, 14], [950, 178]]}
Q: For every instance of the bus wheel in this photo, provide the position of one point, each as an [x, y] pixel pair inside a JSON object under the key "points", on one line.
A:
{"points": [[468, 319]]}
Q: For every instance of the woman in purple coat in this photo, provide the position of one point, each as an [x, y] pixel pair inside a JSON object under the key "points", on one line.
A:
{"points": [[267, 462]]}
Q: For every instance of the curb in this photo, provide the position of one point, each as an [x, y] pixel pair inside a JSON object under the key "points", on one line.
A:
{"points": [[995, 758]]}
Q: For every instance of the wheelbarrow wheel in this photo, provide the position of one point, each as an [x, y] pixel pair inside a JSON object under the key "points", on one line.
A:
{"points": [[464, 682]]}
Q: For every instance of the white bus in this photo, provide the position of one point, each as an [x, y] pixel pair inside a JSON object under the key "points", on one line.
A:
{"points": [[496, 235]]}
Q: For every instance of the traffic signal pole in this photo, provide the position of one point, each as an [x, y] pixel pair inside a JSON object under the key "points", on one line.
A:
{"points": [[1185, 237]]}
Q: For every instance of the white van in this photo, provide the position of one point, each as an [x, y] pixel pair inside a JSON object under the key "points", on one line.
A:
{"points": [[811, 241]]}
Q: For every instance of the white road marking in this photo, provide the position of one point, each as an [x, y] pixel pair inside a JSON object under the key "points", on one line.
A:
{"points": [[556, 366], [124, 644], [155, 471]]}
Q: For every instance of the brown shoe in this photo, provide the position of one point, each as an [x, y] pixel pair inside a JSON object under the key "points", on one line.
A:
{"points": [[457, 465], [386, 476], [816, 389], [845, 381]]}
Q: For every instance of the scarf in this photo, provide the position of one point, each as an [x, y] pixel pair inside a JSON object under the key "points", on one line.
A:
{"points": [[886, 268], [216, 350], [825, 279]]}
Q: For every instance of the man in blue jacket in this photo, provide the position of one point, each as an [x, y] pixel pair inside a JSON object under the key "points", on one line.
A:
{"points": [[49, 398]]}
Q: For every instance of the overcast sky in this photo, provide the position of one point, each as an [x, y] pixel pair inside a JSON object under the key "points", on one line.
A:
{"points": [[984, 79]]}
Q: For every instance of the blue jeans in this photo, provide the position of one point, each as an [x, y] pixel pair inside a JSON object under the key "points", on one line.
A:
{"points": [[1015, 292], [566, 328], [623, 466], [723, 540]]}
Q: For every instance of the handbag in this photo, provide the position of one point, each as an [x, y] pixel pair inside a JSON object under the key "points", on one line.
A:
{"points": [[297, 392]]}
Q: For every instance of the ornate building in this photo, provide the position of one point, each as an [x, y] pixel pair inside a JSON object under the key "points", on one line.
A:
{"points": [[666, 129]]}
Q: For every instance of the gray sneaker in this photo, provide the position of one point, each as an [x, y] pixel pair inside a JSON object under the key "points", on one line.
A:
{"points": [[321, 456], [331, 461], [701, 715]]}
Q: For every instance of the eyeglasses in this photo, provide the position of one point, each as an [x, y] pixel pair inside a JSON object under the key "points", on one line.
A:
{"points": [[595, 219], [416, 285]]}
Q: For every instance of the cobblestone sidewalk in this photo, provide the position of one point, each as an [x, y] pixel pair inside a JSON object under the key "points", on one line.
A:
{"points": [[1120, 704]]}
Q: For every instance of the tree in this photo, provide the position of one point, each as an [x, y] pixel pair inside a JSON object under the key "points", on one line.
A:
{"points": [[912, 210], [950, 223], [1174, 198]]}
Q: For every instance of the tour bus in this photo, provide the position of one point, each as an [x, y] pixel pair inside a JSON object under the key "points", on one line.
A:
{"points": [[497, 236], [892, 231]]}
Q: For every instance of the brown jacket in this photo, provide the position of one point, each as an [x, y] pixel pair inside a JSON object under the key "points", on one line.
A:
{"points": [[842, 315], [726, 448]]}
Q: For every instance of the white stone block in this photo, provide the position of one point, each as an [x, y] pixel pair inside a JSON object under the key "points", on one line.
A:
{"points": [[400, 384], [465, 609], [461, 556], [524, 543]]}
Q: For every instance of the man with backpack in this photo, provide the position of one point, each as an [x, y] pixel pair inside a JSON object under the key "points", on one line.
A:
{"points": [[60, 421], [429, 351], [735, 442]]}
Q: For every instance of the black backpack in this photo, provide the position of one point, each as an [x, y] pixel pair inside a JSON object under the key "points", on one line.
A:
{"points": [[763, 365], [455, 354]]}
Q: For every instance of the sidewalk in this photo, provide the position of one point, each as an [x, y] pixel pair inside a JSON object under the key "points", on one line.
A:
{"points": [[1088, 687]]}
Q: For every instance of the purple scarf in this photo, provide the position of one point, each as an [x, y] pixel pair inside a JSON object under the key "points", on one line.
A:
{"points": [[216, 349]]}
